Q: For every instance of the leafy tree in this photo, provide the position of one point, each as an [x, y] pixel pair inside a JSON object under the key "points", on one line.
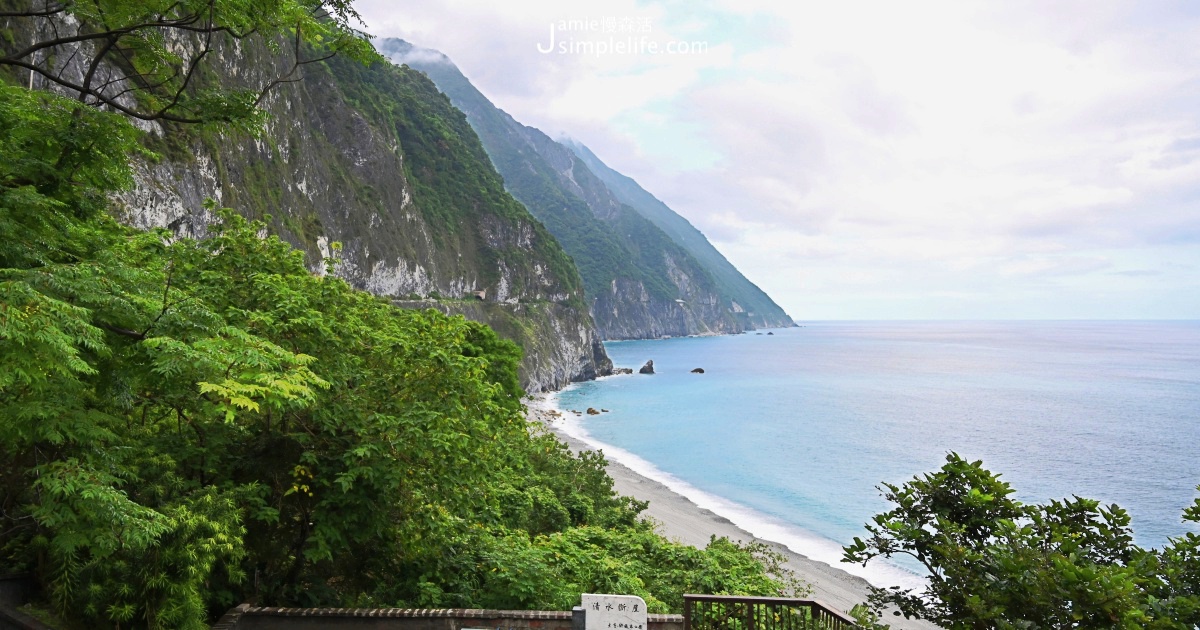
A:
{"points": [[993, 562], [1178, 593], [90, 328], [146, 59]]}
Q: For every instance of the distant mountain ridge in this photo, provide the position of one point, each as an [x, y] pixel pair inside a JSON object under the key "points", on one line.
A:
{"points": [[761, 308], [647, 272]]}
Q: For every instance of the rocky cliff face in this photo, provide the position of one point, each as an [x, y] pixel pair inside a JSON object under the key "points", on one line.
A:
{"points": [[377, 159], [640, 282]]}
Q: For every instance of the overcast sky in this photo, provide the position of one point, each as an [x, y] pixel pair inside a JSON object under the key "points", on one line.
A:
{"points": [[879, 160]]}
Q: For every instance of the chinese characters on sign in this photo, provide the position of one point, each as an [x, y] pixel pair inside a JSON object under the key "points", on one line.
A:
{"points": [[614, 612]]}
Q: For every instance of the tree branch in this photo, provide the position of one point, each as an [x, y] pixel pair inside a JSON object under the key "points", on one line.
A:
{"points": [[289, 78], [166, 299], [87, 79], [170, 77], [42, 13], [124, 332]]}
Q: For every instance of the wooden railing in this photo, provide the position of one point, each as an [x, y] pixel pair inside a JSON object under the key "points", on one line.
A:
{"points": [[727, 612]]}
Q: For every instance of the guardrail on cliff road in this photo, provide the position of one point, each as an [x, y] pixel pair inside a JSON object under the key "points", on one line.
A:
{"points": [[726, 612]]}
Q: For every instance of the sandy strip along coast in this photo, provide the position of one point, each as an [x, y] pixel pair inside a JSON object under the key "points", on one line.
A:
{"points": [[681, 519]]}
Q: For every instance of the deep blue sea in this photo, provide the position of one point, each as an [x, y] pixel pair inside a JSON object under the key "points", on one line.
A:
{"points": [[789, 434]]}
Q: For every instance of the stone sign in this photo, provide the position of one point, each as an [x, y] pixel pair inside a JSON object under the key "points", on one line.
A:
{"points": [[614, 612]]}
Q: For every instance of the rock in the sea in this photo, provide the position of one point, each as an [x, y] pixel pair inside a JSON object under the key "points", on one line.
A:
{"points": [[648, 368], [592, 411], [770, 333], [623, 371], [603, 411], [698, 371]]}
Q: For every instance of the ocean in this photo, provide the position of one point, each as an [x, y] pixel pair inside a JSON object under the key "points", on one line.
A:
{"points": [[789, 434]]}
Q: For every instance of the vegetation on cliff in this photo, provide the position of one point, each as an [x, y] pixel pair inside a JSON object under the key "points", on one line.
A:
{"points": [[187, 424], [454, 184], [640, 283], [603, 254]]}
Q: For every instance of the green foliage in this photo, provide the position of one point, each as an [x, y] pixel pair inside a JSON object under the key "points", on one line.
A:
{"points": [[177, 415], [994, 562], [164, 49], [512, 569], [866, 618], [54, 174], [117, 560]]}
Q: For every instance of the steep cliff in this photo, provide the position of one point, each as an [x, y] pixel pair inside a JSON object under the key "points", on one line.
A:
{"points": [[647, 273], [759, 309], [641, 284], [377, 159]]}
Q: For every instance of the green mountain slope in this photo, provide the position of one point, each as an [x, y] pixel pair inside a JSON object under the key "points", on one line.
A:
{"points": [[640, 282], [761, 309]]}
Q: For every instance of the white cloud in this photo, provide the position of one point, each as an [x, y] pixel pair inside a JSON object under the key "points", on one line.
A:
{"points": [[420, 56]]}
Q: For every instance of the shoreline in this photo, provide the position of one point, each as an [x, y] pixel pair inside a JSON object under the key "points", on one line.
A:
{"points": [[681, 519]]}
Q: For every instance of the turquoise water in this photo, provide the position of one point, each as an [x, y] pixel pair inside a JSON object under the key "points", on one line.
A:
{"points": [[789, 434]]}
